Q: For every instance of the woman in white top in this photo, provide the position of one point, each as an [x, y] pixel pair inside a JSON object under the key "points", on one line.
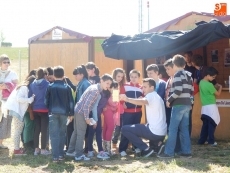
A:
{"points": [[17, 105], [8, 81]]}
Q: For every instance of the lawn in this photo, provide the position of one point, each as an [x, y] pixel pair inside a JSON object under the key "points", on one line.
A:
{"points": [[205, 159]]}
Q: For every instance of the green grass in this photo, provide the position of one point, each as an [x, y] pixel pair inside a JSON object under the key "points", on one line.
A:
{"points": [[205, 159], [13, 52]]}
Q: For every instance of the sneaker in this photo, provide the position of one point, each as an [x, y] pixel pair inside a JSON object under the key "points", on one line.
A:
{"points": [[37, 151], [71, 154], [214, 144], [19, 152], [3, 146], [102, 155], [137, 150], [55, 160], [161, 149], [164, 156], [61, 158], [90, 154], [123, 154], [45, 152], [185, 155], [147, 153], [82, 157]]}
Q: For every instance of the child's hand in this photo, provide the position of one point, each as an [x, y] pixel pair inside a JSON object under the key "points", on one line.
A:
{"points": [[168, 104], [95, 126], [87, 121], [123, 97], [124, 105], [70, 118]]}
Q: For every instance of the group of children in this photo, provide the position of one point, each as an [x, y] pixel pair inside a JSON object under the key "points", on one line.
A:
{"points": [[71, 115]]}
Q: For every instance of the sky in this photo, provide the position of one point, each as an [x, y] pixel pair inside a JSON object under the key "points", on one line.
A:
{"points": [[23, 19]]}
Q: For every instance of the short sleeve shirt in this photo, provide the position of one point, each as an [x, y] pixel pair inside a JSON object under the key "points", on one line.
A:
{"points": [[155, 114], [207, 93]]}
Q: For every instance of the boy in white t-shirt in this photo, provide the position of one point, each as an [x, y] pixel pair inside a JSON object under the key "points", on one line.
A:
{"points": [[156, 127]]}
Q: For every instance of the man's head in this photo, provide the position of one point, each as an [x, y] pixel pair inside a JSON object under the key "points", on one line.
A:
{"points": [[134, 76], [188, 56], [50, 74], [106, 81], [197, 60], [210, 73], [169, 67], [152, 71], [58, 72], [149, 85], [178, 62]]}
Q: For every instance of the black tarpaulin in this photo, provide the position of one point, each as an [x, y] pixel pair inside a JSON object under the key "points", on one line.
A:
{"points": [[157, 44]]}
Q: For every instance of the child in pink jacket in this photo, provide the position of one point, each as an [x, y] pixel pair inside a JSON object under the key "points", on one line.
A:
{"points": [[111, 118]]}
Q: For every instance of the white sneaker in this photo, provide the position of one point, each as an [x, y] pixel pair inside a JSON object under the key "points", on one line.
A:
{"points": [[82, 157], [137, 150], [123, 154], [37, 151], [102, 155], [71, 154], [45, 152], [90, 154]]}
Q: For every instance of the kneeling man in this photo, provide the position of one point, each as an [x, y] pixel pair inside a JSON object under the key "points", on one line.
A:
{"points": [[156, 127]]}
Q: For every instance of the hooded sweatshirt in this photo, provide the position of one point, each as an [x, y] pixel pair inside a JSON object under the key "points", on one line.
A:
{"points": [[38, 88], [182, 89]]}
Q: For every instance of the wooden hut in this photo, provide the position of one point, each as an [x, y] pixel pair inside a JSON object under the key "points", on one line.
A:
{"points": [[187, 22], [61, 46]]}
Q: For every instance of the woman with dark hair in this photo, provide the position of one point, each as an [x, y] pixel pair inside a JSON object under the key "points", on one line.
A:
{"points": [[8, 81], [40, 111], [17, 105], [81, 76]]}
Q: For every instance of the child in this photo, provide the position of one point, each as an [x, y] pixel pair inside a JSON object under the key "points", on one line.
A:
{"points": [[17, 105], [82, 111], [40, 111], [94, 78], [153, 72], [132, 113], [169, 70], [180, 101], [120, 77], [81, 77], [112, 108], [209, 112], [60, 104], [97, 128], [93, 72]]}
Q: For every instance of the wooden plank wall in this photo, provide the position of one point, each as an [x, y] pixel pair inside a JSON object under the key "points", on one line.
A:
{"points": [[138, 65], [68, 55], [105, 65]]}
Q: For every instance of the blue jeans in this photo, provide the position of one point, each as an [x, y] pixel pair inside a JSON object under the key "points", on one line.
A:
{"points": [[98, 132], [134, 133], [57, 128], [128, 119], [179, 121]]}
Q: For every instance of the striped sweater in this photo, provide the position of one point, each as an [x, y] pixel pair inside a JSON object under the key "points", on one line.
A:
{"points": [[182, 89]]}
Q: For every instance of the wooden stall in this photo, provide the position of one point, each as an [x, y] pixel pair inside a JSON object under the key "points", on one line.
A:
{"points": [[61, 46]]}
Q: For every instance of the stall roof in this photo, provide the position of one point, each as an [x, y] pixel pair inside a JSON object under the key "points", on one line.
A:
{"points": [[175, 21], [157, 44], [70, 32]]}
